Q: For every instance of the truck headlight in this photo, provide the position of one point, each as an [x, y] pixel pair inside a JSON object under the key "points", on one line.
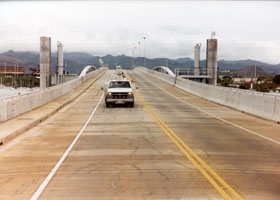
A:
{"points": [[130, 94], [109, 94]]}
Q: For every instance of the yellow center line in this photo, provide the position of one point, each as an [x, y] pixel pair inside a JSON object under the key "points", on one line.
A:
{"points": [[221, 186]]}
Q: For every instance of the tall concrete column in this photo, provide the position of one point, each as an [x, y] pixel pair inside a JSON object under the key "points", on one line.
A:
{"points": [[45, 62], [60, 58], [211, 57], [196, 59]]}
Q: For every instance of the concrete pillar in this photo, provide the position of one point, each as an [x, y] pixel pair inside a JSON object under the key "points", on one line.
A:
{"points": [[45, 62], [211, 60], [60, 58], [196, 59]]}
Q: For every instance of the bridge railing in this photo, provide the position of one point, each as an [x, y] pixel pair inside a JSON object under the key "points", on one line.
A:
{"points": [[264, 105], [160, 75], [193, 72]]}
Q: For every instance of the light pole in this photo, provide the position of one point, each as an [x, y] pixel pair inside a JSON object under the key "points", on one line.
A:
{"points": [[144, 38], [136, 55], [15, 80], [133, 48], [132, 60], [5, 69], [139, 51]]}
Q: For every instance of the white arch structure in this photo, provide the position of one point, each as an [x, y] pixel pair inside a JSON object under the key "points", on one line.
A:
{"points": [[87, 70], [164, 70]]}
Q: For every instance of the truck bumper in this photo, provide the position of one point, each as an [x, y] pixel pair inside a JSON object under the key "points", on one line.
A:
{"points": [[119, 101]]}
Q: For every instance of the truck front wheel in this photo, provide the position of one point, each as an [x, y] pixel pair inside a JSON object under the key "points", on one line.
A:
{"points": [[107, 104]]}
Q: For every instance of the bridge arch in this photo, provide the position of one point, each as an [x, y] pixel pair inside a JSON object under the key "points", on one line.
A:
{"points": [[87, 70], [164, 70]]}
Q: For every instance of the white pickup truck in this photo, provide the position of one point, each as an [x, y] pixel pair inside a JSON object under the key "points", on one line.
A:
{"points": [[119, 69], [119, 92]]}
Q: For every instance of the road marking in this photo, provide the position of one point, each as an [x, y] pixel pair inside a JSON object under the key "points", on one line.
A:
{"points": [[59, 163], [221, 119], [221, 186], [217, 181]]}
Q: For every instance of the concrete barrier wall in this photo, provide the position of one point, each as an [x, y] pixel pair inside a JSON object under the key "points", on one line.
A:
{"points": [[162, 76], [276, 115], [260, 104], [14, 106]]}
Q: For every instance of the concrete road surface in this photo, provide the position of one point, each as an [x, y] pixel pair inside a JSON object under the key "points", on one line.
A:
{"points": [[163, 148]]}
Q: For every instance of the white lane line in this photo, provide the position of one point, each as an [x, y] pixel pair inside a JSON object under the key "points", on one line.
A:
{"points": [[228, 122], [59, 163]]}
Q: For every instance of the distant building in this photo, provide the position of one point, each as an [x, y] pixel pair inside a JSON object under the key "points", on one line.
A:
{"points": [[35, 71], [244, 80], [12, 71], [222, 73]]}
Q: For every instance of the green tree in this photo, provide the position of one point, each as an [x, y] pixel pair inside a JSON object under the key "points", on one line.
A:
{"points": [[219, 80], [245, 86], [264, 87], [226, 81], [276, 79], [262, 78]]}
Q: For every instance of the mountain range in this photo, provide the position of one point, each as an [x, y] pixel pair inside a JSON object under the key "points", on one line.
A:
{"points": [[76, 61]]}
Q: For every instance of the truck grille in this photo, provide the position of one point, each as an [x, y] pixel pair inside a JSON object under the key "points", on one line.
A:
{"points": [[120, 95]]}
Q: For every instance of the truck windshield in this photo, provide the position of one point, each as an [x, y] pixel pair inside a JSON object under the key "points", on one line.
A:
{"points": [[119, 84]]}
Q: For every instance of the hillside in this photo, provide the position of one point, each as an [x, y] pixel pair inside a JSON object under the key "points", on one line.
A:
{"points": [[249, 72], [75, 62], [9, 60], [240, 64], [32, 59]]}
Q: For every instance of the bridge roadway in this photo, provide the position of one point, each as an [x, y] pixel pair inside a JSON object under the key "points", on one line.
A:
{"points": [[126, 153]]}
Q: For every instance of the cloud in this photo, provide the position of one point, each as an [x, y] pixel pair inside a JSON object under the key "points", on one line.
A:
{"points": [[245, 30]]}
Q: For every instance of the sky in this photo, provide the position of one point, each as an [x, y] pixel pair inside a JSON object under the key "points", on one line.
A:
{"points": [[244, 29]]}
